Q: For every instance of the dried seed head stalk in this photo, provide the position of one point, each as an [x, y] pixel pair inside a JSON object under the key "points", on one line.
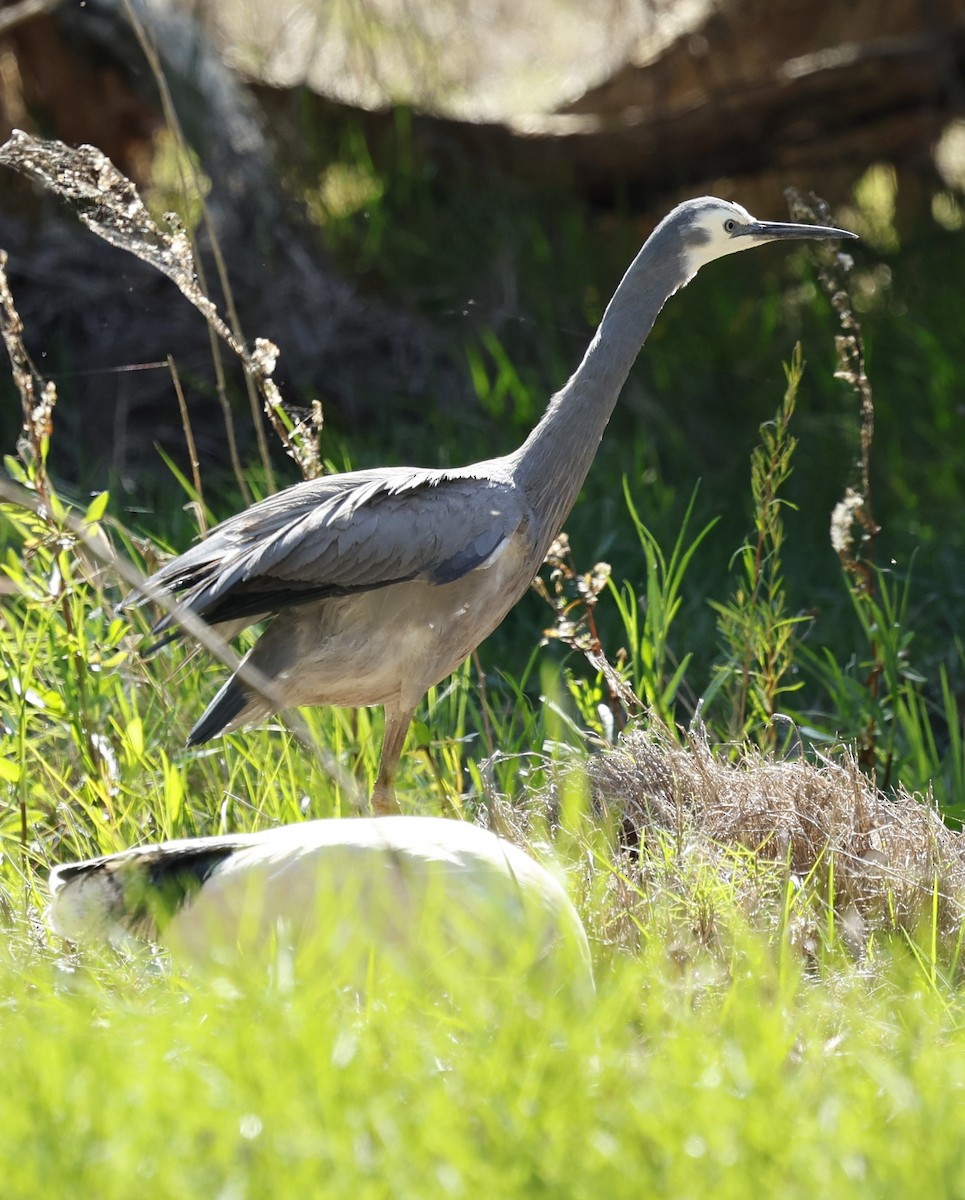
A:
{"points": [[37, 396], [108, 204]]}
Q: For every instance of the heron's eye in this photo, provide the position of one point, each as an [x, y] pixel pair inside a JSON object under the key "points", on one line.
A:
{"points": [[730, 225]]}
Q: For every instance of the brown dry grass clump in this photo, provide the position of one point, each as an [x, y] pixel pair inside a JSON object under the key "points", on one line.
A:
{"points": [[794, 844], [880, 861]]}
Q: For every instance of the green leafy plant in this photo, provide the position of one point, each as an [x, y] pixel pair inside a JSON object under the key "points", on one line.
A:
{"points": [[655, 672], [758, 631]]}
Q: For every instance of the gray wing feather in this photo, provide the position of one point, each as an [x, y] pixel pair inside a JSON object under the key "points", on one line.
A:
{"points": [[344, 534]]}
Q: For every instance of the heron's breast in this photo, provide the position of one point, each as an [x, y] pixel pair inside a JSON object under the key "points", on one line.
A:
{"points": [[391, 644]]}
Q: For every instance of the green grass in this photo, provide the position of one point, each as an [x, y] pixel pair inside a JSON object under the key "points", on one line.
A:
{"points": [[735, 1078], [717, 1057]]}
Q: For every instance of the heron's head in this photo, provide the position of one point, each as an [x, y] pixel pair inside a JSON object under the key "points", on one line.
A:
{"points": [[710, 228]]}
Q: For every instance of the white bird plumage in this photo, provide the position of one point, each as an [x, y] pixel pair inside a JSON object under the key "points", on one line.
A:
{"points": [[424, 894], [379, 583]]}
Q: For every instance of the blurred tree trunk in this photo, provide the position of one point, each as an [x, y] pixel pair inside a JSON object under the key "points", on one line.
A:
{"points": [[814, 92], [748, 94], [742, 96], [79, 74]]}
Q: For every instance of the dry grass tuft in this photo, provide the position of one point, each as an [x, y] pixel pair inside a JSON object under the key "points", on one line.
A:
{"points": [[876, 862], [708, 844]]}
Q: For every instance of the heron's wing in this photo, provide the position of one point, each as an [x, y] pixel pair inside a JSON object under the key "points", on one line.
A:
{"points": [[344, 534]]}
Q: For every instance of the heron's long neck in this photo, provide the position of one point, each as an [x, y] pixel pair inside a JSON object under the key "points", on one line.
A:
{"points": [[553, 462]]}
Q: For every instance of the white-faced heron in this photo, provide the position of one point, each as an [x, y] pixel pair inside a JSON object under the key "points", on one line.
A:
{"points": [[380, 583]]}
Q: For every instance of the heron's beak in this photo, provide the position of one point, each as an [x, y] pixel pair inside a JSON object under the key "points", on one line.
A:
{"points": [[772, 231]]}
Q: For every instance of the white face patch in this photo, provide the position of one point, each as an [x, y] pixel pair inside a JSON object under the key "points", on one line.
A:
{"points": [[711, 234]]}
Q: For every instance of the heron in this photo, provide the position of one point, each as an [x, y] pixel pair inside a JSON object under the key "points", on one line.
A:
{"points": [[424, 894], [380, 583]]}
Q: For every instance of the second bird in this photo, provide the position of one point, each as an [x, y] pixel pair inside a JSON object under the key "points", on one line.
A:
{"points": [[380, 583]]}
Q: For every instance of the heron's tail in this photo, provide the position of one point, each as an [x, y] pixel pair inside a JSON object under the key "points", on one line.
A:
{"points": [[232, 706]]}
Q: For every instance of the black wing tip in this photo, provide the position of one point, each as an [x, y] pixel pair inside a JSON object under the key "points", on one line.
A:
{"points": [[170, 635], [136, 893], [163, 880], [204, 730], [67, 873], [181, 871], [220, 713]]}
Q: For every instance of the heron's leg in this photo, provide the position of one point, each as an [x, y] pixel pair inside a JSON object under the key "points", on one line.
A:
{"points": [[397, 721]]}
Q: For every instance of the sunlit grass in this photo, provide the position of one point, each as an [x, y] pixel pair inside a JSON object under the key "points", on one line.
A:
{"points": [[683, 1080], [725, 1051]]}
